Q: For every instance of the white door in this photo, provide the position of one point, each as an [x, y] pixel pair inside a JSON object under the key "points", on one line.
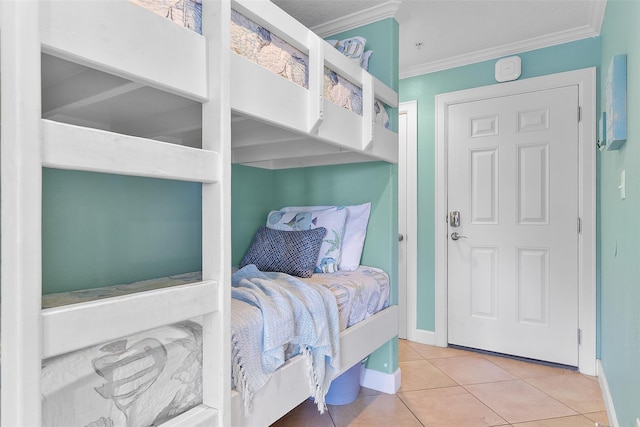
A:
{"points": [[402, 225], [513, 272], [407, 219]]}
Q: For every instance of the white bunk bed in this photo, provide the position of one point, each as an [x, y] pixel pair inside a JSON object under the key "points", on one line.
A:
{"points": [[275, 123], [305, 130], [107, 37], [309, 130], [125, 92], [278, 124]]}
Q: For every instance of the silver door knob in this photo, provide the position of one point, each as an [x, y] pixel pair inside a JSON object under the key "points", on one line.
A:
{"points": [[456, 236], [400, 237]]}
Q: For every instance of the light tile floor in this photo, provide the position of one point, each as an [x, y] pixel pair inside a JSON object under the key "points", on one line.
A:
{"points": [[445, 387]]}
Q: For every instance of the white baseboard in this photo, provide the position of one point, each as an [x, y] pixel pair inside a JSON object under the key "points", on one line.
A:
{"points": [[422, 336], [606, 394], [386, 383]]}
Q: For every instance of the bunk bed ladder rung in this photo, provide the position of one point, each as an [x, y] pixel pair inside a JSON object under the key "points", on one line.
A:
{"points": [[78, 148]]}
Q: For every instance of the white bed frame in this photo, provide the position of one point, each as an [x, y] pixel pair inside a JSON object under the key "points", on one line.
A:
{"points": [[289, 386], [115, 49], [310, 130], [108, 37]]}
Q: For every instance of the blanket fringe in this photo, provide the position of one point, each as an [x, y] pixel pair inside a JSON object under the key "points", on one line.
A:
{"points": [[315, 387], [240, 379]]}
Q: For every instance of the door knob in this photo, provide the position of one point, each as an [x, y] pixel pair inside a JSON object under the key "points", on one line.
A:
{"points": [[400, 237], [456, 236]]}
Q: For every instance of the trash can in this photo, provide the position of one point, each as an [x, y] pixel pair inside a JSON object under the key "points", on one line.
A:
{"points": [[345, 388]]}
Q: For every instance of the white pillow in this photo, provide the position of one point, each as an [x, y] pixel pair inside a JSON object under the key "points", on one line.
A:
{"points": [[332, 218], [355, 231]]}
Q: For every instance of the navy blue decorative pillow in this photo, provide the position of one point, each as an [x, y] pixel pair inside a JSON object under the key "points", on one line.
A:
{"points": [[291, 252]]}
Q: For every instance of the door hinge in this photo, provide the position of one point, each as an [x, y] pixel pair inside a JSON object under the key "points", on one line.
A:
{"points": [[579, 114], [579, 336], [579, 225]]}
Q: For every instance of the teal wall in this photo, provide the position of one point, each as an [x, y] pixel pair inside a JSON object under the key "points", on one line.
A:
{"points": [[381, 37], [252, 194], [100, 230], [257, 191], [423, 89], [351, 185], [619, 230]]}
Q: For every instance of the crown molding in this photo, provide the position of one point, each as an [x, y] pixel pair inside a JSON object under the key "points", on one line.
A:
{"points": [[597, 15], [500, 51], [592, 29], [358, 19]]}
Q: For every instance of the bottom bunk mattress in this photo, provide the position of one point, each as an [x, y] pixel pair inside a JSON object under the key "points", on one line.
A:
{"points": [[150, 377]]}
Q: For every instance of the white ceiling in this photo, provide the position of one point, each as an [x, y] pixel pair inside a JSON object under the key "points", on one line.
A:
{"points": [[457, 32]]}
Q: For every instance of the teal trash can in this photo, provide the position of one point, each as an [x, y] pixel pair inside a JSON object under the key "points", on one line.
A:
{"points": [[345, 388]]}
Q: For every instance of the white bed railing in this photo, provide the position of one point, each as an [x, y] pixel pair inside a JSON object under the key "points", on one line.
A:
{"points": [[287, 28], [256, 94], [289, 386], [111, 318], [128, 42]]}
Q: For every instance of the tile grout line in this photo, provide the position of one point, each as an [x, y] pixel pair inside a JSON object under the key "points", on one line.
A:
{"points": [[517, 378], [562, 403], [461, 386], [409, 409], [521, 377]]}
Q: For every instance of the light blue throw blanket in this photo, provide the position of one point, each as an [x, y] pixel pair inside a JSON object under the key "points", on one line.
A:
{"points": [[293, 312]]}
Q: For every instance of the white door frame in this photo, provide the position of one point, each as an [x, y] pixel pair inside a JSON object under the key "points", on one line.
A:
{"points": [[408, 222], [586, 81]]}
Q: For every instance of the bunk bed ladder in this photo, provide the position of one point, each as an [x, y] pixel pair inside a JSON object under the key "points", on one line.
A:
{"points": [[21, 204], [29, 142]]}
